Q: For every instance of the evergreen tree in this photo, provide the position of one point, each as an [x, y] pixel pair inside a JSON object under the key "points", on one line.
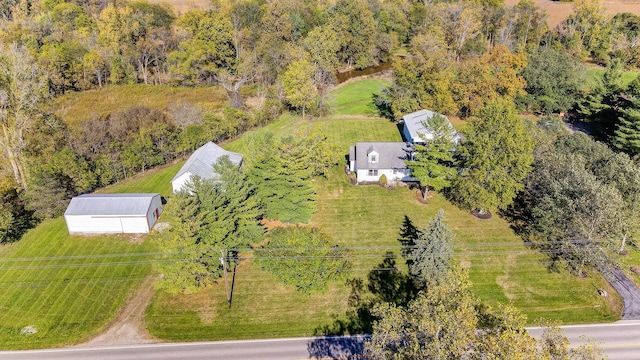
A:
{"points": [[430, 258], [409, 233], [432, 164], [213, 217], [600, 108], [627, 134], [280, 170]]}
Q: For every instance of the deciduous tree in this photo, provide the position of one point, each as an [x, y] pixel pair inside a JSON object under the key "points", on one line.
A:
{"points": [[303, 257], [495, 158], [555, 81], [22, 88], [299, 89]]}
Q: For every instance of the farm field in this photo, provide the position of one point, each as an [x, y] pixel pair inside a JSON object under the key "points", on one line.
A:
{"points": [[367, 220]]}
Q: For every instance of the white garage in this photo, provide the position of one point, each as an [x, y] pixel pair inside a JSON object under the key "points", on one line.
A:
{"points": [[113, 213]]}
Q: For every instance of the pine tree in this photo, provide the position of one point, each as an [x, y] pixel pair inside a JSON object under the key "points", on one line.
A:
{"points": [[211, 216], [409, 233], [432, 163], [280, 175], [432, 253], [627, 134]]}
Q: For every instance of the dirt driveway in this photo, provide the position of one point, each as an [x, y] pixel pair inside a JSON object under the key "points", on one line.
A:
{"points": [[128, 328]]}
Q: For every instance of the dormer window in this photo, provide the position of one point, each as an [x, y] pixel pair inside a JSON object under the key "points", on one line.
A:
{"points": [[373, 157]]}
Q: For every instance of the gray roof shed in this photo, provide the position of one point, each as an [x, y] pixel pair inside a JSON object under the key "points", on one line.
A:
{"points": [[201, 161], [110, 204], [414, 125]]}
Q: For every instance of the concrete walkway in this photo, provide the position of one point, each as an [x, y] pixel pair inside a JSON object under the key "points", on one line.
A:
{"points": [[629, 292]]}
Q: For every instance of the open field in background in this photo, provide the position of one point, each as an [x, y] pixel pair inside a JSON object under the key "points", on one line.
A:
{"points": [[66, 287], [367, 220], [557, 11], [74, 107]]}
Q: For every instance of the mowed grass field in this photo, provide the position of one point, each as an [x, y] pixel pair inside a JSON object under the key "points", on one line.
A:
{"points": [[68, 288], [367, 220]]}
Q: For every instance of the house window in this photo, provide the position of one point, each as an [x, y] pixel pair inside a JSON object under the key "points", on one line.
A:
{"points": [[373, 172], [373, 159]]}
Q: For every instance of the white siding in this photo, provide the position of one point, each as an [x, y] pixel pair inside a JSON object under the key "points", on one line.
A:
{"points": [[137, 225], [363, 175], [179, 182], [154, 212]]}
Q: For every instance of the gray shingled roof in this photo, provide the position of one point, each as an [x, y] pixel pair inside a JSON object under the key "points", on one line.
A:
{"points": [[414, 123], [391, 154], [201, 161], [110, 204]]}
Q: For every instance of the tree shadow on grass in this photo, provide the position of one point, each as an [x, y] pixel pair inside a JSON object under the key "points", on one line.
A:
{"points": [[385, 284], [520, 220]]}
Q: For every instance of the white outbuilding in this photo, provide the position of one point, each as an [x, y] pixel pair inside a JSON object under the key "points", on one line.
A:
{"points": [[416, 130], [201, 162], [113, 213]]}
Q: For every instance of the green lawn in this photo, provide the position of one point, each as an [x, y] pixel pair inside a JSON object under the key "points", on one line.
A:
{"points": [[70, 287], [355, 97], [594, 73], [367, 219], [67, 287]]}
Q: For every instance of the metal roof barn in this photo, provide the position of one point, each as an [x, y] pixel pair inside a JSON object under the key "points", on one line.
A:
{"points": [[113, 213], [201, 162]]}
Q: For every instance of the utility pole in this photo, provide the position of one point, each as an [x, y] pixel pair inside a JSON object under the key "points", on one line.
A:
{"points": [[226, 283]]}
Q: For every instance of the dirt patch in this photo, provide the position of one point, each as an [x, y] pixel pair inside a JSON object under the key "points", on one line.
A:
{"points": [[129, 328], [421, 198], [558, 11]]}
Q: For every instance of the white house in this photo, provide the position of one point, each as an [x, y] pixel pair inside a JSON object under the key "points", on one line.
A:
{"points": [[201, 163], [414, 129], [370, 160], [113, 213]]}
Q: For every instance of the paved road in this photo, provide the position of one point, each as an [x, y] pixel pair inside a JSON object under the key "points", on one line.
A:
{"points": [[620, 340], [630, 295]]}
